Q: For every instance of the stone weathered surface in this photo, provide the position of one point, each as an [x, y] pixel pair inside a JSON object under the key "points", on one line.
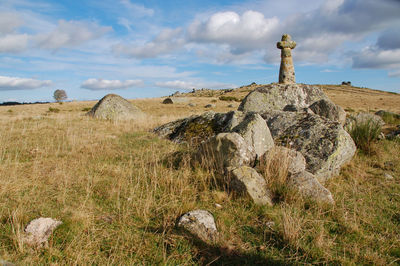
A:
{"points": [[226, 150], [308, 185], [278, 96], [114, 107], [294, 160], [167, 101], [324, 143], [328, 109], [364, 118], [255, 131], [200, 223], [246, 180], [210, 105], [39, 230], [286, 71]]}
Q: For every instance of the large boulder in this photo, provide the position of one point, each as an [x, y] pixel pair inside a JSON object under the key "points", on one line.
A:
{"points": [[226, 150], [324, 143], [277, 96], [307, 185], [114, 107], [328, 109], [246, 180], [199, 223], [293, 160], [255, 131]]}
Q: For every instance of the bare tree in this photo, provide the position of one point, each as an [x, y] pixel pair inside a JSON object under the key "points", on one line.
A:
{"points": [[60, 95]]}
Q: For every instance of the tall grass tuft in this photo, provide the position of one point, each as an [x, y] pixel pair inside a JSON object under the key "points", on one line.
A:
{"points": [[365, 134]]}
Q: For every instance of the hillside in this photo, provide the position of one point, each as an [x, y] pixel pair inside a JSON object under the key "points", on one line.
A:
{"points": [[119, 189]]}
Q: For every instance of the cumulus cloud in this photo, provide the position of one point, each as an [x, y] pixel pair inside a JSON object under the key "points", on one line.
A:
{"points": [[245, 32], [187, 85], [70, 34], [104, 84], [167, 41], [15, 83]]}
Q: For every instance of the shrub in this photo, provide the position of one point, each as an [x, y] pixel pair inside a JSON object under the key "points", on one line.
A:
{"points": [[364, 134], [86, 109], [53, 110], [229, 98], [390, 118]]}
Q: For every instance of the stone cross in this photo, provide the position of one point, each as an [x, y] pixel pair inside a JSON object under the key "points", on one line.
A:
{"points": [[286, 71]]}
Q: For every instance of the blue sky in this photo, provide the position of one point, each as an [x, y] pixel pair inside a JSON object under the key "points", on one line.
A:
{"points": [[152, 48]]}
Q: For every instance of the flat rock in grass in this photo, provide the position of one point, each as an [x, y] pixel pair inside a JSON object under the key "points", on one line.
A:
{"points": [[200, 223], [277, 96], [39, 230], [225, 150], [328, 109], [255, 131], [307, 185], [246, 180], [114, 107], [324, 143]]}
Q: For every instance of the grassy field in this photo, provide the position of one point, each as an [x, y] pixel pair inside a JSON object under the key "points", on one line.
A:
{"points": [[119, 189]]}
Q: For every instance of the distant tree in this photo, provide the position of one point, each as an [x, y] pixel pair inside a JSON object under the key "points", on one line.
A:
{"points": [[60, 95]]}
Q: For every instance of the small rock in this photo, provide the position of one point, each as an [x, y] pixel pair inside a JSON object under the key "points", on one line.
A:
{"points": [[231, 106], [6, 263], [246, 180], [226, 150], [270, 225], [210, 106], [308, 186], [328, 109], [388, 176], [201, 224], [39, 230], [192, 104], [218, 206], [255, 131]]}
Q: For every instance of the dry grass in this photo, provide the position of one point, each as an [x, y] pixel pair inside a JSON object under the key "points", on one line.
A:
{"points": [[119, 189]]}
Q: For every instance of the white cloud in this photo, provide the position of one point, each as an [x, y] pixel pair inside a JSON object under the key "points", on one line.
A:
{"points": [[371, 57], [187, 85], [243, 33], [137, 10], [70, 34], [9, 22], [15, 83], [13, 43], [167, 41], [104, 84]]}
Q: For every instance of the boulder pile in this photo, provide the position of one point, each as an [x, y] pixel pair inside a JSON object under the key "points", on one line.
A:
{"points": [[299, 120]]}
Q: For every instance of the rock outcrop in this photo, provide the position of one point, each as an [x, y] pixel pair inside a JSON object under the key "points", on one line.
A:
{"points": [[324, 143], [199, 223], [277, 96], [114, 107]]}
